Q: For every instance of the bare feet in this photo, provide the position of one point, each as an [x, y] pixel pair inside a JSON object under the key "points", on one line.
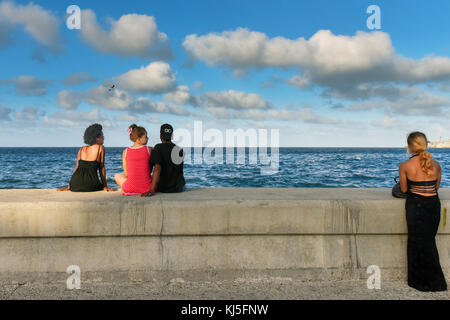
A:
{"points": [[109, 189], [63, 189]]}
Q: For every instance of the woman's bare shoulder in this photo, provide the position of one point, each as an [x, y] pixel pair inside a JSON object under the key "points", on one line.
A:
{"points": [[437, 165]]}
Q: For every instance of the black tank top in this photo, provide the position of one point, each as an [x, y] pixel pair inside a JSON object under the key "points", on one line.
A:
{"points": [[85, 178], [424, 187]]}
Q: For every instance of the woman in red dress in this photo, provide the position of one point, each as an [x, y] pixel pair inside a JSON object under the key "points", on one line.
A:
{"points": [[136, 178]]}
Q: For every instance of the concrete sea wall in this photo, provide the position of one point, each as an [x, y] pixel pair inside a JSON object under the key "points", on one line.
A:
{"points": [[207, 233]]}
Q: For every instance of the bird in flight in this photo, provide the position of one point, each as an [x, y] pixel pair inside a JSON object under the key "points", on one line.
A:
{"points": [[112, 88]]}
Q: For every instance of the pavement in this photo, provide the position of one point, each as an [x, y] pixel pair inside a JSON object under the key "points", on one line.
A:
{"points": [[237, 289]]}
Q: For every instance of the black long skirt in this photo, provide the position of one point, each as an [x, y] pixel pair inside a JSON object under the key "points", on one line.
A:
{"points": [[423, 215]]}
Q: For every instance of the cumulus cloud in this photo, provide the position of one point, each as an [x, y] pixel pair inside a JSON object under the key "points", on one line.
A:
{"points": [[233, 99], [416, 103], [181, 95], [157, 77], [78, 78], [68, 99], [243, 48], [116, 99], [146, 105], [131, 35], [39, 23], [305, 115], [29, 114], [71, 118], [28, 85], [337, 63], [127, 117]]}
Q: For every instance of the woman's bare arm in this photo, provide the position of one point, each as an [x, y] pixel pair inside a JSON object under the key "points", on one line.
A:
{"points": [[76, 167], [439, 172], [403, 177], [103, 170], [124, 163]]}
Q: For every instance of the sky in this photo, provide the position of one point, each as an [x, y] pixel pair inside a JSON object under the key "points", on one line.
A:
{"points": [[311, 69]]}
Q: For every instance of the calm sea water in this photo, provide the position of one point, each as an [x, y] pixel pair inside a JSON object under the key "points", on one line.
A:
{"points": [[46, 168]]}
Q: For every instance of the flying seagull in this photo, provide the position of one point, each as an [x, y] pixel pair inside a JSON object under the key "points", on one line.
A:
{"points": [[113, 86]]}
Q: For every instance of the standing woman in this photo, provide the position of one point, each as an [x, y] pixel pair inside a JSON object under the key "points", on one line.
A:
{"points": [[136, 178], [90, 159], [420, 177]]}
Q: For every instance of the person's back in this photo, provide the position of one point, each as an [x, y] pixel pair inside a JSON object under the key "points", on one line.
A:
{"points": [[90, 160], [171, 175], [167, 159], [138, 170], [425, 183], [136, 178]]}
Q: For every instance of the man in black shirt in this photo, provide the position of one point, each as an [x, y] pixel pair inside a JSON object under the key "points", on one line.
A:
{"points": [[167, 159]]}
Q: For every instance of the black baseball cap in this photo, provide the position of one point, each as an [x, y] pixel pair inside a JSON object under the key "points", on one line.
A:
{"points": [[166, 131]]}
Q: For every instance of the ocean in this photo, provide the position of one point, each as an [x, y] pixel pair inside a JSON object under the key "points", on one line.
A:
{"points": [[48, 168]]}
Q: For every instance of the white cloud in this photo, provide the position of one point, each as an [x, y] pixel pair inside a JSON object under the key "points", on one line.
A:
{"points": [[304, 115], [327, 52], [233, 99], [28, 85], [181, 95], [127, 117], [146, 105], [131, 35], [157, 77], [40, 24], [29, 114], [78, 78], [416, 103], [68, 99], [116, 99], [336, 62], [71, 118]]}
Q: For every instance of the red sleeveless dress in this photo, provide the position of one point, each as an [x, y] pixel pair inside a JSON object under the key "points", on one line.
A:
{"points": [[139, 179]]}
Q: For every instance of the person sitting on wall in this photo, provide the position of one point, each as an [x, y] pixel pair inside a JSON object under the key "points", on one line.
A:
{"points": [[90, 160], [136, 177], [167, 159]]}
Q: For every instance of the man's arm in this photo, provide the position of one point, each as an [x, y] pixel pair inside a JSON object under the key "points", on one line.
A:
{"points": [[155, 181]]}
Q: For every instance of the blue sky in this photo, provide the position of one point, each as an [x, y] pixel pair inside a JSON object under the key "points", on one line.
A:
{"points": [[313, 70]]}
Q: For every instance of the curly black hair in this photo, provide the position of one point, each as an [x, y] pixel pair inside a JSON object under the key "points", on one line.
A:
{"points": [[92, 133]]}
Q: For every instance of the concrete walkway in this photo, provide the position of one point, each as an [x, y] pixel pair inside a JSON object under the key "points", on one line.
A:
{"points": [[239, 289]]}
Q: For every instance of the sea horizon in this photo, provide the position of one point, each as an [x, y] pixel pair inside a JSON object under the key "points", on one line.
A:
{"points": [[298, 167]]}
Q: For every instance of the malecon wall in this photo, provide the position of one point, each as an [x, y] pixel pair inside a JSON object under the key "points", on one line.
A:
{"points": [[207, 233]]}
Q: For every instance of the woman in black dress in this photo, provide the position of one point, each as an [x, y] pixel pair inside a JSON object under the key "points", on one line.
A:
{"points": [[90, 160], [420, 177]]}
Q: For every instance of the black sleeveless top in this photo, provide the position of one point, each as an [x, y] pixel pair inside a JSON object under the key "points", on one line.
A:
{"points": [[85, 178], [424, 187]]}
